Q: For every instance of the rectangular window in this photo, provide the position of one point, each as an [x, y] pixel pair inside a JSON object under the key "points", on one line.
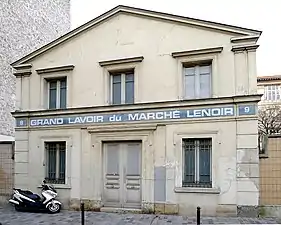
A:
{"points": [[122, 88], [272, 92], [197, 162], [57, 90], [197, 81], [55, 162]]}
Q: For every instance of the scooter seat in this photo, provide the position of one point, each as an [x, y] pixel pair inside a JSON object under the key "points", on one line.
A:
{"points": [[29, 194], [34, 197]]}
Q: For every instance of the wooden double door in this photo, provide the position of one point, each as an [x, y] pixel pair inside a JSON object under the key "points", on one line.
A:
{"points": [[122, 174]]}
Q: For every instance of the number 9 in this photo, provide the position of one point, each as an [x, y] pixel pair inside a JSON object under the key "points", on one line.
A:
{"points": [[246, 109]]}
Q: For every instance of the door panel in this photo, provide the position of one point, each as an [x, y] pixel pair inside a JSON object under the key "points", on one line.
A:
{"points": [[132, 176], [112, 178], [122, 175]]}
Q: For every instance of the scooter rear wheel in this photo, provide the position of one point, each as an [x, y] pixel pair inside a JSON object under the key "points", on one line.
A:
{"points": [[54, 208], [17, 208]]}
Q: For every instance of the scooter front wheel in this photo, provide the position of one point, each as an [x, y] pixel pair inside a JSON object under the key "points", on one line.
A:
{"points": [[54, 208]]}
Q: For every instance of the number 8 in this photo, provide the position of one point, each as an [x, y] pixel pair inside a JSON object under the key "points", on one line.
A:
{"points": [[246, 109]]}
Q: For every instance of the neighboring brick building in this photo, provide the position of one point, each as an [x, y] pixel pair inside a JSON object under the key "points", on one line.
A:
{"points": [[25, 26]]}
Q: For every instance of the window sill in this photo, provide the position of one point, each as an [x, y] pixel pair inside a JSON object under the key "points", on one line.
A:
{"points": [[197, 190], [58, 186]]}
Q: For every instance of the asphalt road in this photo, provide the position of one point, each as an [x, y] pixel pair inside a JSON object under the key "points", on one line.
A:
{"points": [[11, 217]]}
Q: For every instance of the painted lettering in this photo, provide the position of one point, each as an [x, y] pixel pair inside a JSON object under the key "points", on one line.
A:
{"points": [[112, 118], [197, 113], [176, 114], [151, 116], [133, 116], [100, 119], [228, 111], [159, 115], [209, 112], [216, 112], [206, 112], [140, 116], [168, 115], [46, 122]]}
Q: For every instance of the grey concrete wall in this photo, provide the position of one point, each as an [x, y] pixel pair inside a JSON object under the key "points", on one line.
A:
{"points": [[25, 26]]}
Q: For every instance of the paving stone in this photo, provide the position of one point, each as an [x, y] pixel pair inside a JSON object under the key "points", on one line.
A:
{"points": [[11, 217]]}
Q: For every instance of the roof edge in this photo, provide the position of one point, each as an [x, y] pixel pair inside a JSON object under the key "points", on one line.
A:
{"points": [[248, 30], [269, 78], [140, 11]]}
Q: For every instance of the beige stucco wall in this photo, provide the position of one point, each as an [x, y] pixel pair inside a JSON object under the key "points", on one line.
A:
{"points": [[235, 155], [234, 163], [127, 36]]}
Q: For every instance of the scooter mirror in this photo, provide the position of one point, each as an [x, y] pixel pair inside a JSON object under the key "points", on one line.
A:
{"points": [[44, 181]]}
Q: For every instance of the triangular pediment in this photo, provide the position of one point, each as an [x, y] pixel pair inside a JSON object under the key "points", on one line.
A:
{"points": [[216, 27]]}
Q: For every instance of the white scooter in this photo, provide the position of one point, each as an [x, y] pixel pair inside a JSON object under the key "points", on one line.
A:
{"points": [[26, 200]]}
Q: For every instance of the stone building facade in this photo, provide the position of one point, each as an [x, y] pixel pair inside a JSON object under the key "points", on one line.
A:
{"points": [[25, 26], [142, 110]]}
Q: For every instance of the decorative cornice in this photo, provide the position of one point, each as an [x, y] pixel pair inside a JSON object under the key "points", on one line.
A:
{"points": [[145, 106], [22, 73], [22, 66], [202, 51], [23, 70], [240, 48], [55, 69], [253, 38], [121, 61]]}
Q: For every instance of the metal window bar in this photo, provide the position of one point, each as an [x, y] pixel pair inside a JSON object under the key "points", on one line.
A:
{"points": [[55, 154], [197, 162]]}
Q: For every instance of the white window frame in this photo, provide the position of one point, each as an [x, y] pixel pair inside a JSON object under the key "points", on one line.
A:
{"points": [[269, 92], [107, 70], [196, 59], [58, 92], [197, 160], [123, 86], [44, 89], [197, 79], [57, 159]]}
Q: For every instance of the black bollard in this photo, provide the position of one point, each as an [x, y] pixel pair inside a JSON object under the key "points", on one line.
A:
{"points": [[198, 215], [82, 214]]}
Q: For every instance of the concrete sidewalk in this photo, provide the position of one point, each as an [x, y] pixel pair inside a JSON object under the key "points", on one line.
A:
{"points": [[11, 217]]}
